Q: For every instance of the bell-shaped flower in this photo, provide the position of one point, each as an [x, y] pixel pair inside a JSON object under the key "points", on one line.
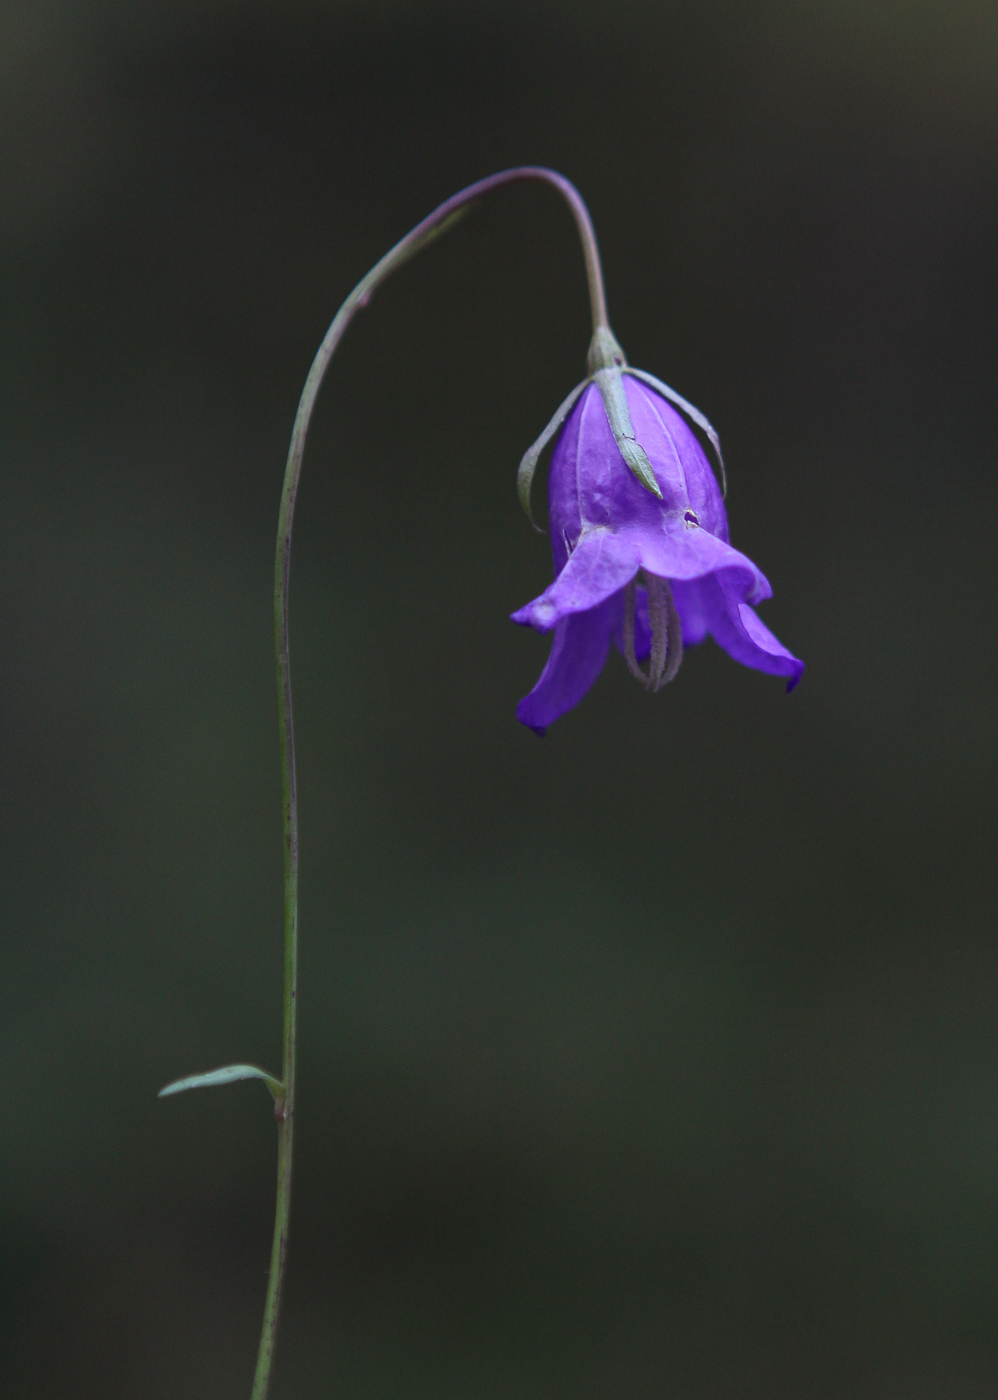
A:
{"points": [[640, 541]]}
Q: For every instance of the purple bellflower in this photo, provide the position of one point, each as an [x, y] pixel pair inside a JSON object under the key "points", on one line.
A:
{"points": [[640, 541]]}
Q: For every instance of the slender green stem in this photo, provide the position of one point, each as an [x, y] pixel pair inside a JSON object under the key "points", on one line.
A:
{"points": [[436, 223]]}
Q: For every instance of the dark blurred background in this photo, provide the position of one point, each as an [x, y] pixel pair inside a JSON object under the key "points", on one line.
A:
{"points": [[655, 1058]]}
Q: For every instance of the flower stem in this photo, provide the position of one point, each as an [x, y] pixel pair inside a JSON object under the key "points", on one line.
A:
{"points": [[434, 224]]}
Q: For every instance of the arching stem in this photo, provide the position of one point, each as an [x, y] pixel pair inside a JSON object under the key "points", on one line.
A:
{"points": [[435, 224]]}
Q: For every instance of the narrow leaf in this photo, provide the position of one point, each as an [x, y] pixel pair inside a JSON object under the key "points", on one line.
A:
{"points": [[228, 1075]]}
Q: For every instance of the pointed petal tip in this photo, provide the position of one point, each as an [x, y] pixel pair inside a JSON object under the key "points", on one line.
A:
{"points": [[523, 714], [540, 614], [526, 617]]}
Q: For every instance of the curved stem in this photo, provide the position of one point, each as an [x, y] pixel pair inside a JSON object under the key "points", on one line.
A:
{"points": [[434, 224]]}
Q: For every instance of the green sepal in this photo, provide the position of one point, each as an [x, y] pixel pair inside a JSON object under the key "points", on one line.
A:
{"points": [[610, 383], [228, 1075], [528, 464], [691, 412]]}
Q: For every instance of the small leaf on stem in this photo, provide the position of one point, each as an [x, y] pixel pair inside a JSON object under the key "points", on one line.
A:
{"points": [[228, 1075]]}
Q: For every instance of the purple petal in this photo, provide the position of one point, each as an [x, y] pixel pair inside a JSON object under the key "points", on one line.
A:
{"points": [[604, 561], [689, 414], [677, 455], [704, 607], [590, 485], [693, 612], [680, 551], [581, 642], [601, 564]]}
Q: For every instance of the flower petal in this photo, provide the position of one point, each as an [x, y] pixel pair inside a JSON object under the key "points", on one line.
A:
{"points": [[690, 411], [705, 606], [581, 642], [693, 612], [680, 551], [605, 561], [678, 456], [602, 562]]}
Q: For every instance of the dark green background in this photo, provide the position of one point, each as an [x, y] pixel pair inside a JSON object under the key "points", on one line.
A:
{"points": [[658, 1058]]}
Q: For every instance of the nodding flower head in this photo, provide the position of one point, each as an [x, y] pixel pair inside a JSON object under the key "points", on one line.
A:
{"points": [[640, 541]]}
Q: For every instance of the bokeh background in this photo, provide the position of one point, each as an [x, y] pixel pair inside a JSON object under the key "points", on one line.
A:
{"points": [[658, 1057]]}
